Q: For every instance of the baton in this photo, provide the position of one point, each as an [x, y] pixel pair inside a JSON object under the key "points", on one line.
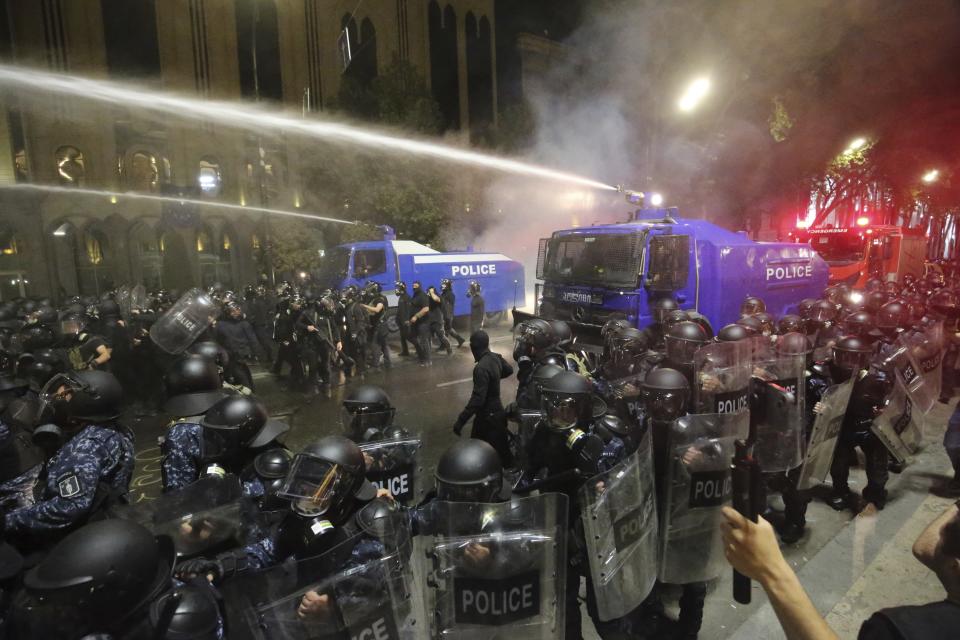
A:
{"points": [[746, 476]]}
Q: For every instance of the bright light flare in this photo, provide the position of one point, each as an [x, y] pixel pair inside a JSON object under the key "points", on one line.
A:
{"points": [[656, 199], [694, 94], [855, 145], [931, 176], [856, 297], [863, 221]]}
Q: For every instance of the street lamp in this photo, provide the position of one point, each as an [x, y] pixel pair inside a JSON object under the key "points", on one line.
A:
{"points": [[931, 176], [694, 94], [855, 145]]}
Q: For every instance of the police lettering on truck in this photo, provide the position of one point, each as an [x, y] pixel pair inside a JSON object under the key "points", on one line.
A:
{"points": [[789, 272], [474, 270]]}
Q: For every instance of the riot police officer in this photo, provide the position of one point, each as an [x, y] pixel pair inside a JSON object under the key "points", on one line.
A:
{"points": [[851, 356], [484, 405], [534, 345], [682, 342], [229, 436], [449, 300], [752, 305], [470, 471], [236, 335], [376, 305], [478, 307], [419, 323], [91, 468], [654, 332], [319, 333], [403, 314], [285, 335], [327, 488], [113, 579], [367, 413], [358, 326], [21, 459]]}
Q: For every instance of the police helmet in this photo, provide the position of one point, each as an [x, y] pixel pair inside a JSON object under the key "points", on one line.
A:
{"points": [[47, 315], [87, 396], [752, 324], [834, 294], [752, 305], [470, 471], [351, 292], [445, 283], [95, 579], [736, 332], [563, 332], [683, 340], [37, 336], [874, 300], [193, 386], [400, 287], [666, 393], [383, 519], [544, 372], [794, 343], [473, 288], [38, 373], [612, 325], [803, 309], [850, 355], [662, 307], [213, 351], [238, 422], [189, 612], [326, 477], [372, 288], [366, 407], [789, 323], [893, 317], [675, 316], [946, 302], [873, 284], [109, 309], [766, 322], [566, 401], [860, 323], [628, 344]]}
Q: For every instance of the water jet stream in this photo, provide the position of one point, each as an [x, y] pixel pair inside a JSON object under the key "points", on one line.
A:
{"points": [[259, 119], [172, 199]]}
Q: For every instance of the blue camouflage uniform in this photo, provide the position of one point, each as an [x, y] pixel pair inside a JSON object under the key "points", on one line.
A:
{"points": [[17, 492], [263, 553], [183, 459], [94, 456]]}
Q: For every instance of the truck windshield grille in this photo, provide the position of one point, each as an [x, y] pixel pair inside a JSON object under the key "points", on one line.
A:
{"points": [[841, 248], [608, 259]]}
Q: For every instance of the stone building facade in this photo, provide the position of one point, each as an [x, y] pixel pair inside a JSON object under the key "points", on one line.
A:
{"points": [[285, 53]]}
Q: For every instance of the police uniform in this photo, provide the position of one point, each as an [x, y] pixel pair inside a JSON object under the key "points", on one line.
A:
{"points": [[478, 309], [20, 466], [378, 328], [92, 466], [448, 300]]}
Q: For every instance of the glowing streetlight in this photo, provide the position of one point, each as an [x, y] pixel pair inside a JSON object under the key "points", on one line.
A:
{"points": [[855, 145], [931, 176], [656, 199], [694, 94]]}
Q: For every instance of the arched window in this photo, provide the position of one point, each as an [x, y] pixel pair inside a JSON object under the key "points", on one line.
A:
{"points": [[147, 248], [13, 280], [144, 171], [258, 49], [214, 255], [70, 169], [444, 79], [93, 261], [208, 177]]}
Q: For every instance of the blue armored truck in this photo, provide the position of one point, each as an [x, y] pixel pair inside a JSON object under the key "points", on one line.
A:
{"points": [[389, 261], [591, 274]]}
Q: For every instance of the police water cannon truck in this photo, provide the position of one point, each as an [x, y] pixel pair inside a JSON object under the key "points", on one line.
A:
{"points": [[592, 274], [389, 261]]}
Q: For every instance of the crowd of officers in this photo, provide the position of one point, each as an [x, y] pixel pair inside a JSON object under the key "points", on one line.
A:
{"points": [[76, 561]]}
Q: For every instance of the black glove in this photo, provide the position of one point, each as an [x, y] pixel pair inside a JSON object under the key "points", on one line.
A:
{"points": [[202, 567], [458, 427]]}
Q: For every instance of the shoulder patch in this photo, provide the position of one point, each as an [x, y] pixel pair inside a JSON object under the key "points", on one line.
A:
{"points": [[69, 486], [321, 527]]}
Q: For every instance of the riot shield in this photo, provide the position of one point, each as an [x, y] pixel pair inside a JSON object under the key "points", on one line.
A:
{"points": [[138, 297], [722, 377], [395, 465], [124, 301], [926, 347], [495, 570], [823, 342], [824, 435], [777, 407], [176, 330], [697, 485], [899, 426], [205, 516], [619, 515], [362, 588], [624, 398]]}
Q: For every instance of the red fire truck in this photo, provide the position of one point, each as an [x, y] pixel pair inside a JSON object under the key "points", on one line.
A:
{"points": [[856, 254]]}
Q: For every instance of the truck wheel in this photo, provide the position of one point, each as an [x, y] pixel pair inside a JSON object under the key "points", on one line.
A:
{"points": [[494, 318], [392, 325]]}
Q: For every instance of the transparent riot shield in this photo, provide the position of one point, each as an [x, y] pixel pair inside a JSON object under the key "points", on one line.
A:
{"points": [[722, 377], [624, 398], [362, 588], [697, 484], [124, 301], [824, 340], [927, 347], [824, 435], [900, 425], [495, 570], [203, 517], [138, 297], [619, 515], [176, 330], [395, 465], [777, 399]]}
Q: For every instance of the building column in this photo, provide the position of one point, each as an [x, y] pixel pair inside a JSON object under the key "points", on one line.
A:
{"points": [[462, 73]]}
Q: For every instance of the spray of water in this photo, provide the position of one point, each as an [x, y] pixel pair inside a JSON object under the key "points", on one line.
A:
{"points": [[259, 120], [117, 195]]}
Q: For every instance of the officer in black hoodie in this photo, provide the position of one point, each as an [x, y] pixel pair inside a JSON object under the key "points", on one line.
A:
{"points": [[484, 406]]}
